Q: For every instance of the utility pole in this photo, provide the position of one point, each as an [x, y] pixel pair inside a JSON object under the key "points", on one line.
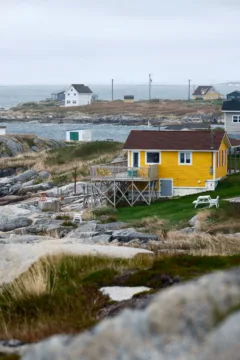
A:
{"points": [[150, 86], [189, 89], [112, 89]]}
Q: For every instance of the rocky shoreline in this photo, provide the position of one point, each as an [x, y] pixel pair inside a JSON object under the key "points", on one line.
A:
{"points": [[120, 119]]}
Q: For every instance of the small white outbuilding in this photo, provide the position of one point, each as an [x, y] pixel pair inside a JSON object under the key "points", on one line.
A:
{"points": [[78, 135], [3, 130]]}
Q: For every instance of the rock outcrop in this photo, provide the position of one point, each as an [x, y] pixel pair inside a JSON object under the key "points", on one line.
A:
{"points": [[199, 320], [12, 145], [22, 183]]}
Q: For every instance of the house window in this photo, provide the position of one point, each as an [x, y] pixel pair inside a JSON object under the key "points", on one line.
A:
{"points": [[68, 94], [71, 89], [236, 118], [152, 157], [74, 102], [75, 94], [68, 102], [185, 158]]}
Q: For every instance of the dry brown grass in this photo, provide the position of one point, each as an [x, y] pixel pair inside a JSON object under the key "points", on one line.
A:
{"points": [[27, 160], [37, 161], [200, 243], [35, 282], [153, 225], [142, 108]]}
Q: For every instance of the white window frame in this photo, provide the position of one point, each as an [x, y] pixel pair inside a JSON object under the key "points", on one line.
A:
{"points": [[156, 152], [179, 158], [238, 119], [74, 102], [139, 160], [68, 102]]}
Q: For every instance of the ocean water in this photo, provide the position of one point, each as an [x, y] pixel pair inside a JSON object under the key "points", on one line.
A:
{"points": [[13, 95], [58, 131]]}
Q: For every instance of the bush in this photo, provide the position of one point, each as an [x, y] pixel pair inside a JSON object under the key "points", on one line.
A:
{"points": [[69, 223], [62, 217], [104, 211], [59, 180]]}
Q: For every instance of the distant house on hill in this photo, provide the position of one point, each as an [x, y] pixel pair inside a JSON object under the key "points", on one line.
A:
{"points": [[206, 93], [231, 110], [78, 95], [60, 97], [129, 98], [235, 95]]}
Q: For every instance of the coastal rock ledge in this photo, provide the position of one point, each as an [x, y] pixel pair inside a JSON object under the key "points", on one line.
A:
{"points": [[199, 320]]}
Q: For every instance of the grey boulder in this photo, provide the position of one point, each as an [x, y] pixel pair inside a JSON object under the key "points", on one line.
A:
{"points": [[127, 235], [194, 321], [38, 187], [26, 175], [110, 226], [8, 223], [192, 221], [44, 174]]}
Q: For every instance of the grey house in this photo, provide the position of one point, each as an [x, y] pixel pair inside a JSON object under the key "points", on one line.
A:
{"points": [[235, 95], [231, 110]]}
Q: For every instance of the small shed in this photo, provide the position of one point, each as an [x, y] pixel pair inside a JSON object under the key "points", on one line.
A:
{"points": [[129, 98], [3, 130], [78, 135]]}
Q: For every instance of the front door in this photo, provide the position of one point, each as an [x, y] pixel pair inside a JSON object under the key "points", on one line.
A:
{"points": [[135, 159], [74, 136], [166, 187]]}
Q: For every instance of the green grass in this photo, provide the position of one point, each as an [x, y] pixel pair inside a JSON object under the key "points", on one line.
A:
{"points": [[180, 209], [9, 357], [184, 266], [85, 151], [60, 294]]}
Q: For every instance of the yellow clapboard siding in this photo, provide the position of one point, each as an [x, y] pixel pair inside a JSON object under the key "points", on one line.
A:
{"points": [[194, 175], [221, 171]]}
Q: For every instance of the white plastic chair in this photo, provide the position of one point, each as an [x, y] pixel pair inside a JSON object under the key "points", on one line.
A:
{"points": [[214, 202], [78, 217]]}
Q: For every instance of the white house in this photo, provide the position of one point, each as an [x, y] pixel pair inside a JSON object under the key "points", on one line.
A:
{"points": [[78, 95]]}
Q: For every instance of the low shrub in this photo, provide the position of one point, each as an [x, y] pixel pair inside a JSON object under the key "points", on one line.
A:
{"points": [[69, 223], [105, 219], [62, 217], [105, 210]]}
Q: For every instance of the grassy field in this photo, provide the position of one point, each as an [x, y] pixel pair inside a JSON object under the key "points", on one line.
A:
{"points": [[60, 294], [154, 108], [181, 209], [62, 162]]}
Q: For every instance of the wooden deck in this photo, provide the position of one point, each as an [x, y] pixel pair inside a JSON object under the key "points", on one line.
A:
{"points": [[124, 173]]}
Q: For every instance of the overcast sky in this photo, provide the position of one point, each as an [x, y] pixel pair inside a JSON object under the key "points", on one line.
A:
{"points": [[92, 41]]}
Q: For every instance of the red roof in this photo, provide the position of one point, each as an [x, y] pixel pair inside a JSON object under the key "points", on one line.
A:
{"points": [[235, 142], [174, 140]]}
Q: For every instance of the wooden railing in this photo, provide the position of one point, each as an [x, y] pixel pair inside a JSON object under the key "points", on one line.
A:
{"points": [[114, 171]]}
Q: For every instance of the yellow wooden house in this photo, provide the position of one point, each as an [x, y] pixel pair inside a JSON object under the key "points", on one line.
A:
{"points": [[206, 93], [188, 162]]}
